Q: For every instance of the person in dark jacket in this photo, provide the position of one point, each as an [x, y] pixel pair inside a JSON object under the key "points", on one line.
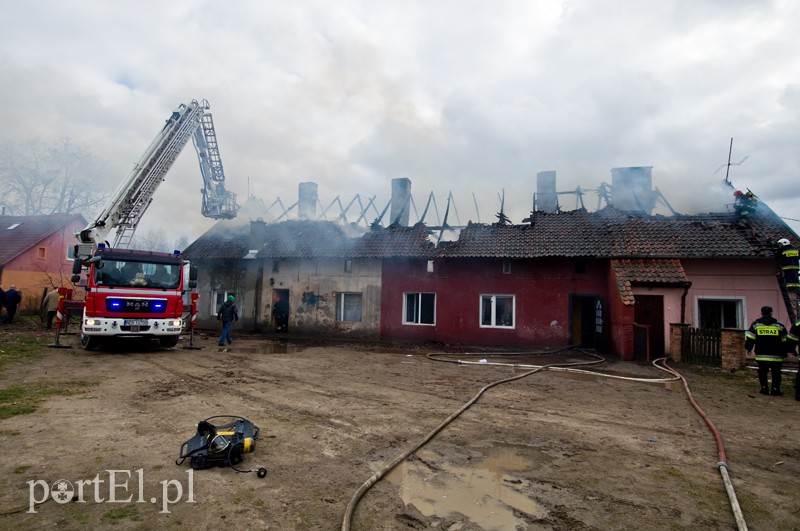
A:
{"points": [[2, 299], [768, 336], [793, 339], [227, 314], [13, 298]]}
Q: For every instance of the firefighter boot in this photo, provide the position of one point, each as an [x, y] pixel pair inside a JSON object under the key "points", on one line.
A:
{"points": [[776, 383]]}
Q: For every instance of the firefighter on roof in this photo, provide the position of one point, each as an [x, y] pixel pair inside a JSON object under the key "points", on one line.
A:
{"points": [[768, 336], [745, 203]]}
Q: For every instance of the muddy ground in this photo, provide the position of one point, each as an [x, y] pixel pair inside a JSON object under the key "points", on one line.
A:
{"points": [[551, 451]]}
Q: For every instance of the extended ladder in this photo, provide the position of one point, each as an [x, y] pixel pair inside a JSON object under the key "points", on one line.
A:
{"points": [[791, 298]]}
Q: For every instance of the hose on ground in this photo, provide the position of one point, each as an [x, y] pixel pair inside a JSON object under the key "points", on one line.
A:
{"points": [[722, 465], [660, 363], [348, 515]]}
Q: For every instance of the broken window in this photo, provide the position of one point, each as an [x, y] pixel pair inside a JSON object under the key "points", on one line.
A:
{"points": [[719, 313], [419, 308], [348, 307], [497, 311]]}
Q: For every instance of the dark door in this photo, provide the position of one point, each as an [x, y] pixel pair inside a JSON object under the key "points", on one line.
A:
{"points": [[648, 317], [586, 325], [280, 310]]}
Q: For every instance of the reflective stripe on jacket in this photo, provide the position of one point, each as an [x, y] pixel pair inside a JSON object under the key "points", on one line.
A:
{"points": [[768, 336]]}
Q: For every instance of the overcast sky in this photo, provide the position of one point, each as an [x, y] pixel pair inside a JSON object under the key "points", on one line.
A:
{"points": [[462, 96]]}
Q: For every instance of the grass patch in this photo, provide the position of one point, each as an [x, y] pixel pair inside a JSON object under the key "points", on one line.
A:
{"points": [[122, 513], [22, 347], [25, 399], [21, 469]]}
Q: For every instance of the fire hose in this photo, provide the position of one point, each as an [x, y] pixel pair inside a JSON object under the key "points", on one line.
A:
{"points": [[722, 465]]}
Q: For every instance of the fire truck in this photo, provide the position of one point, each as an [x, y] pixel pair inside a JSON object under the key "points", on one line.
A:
{"points": [[140, 293]]}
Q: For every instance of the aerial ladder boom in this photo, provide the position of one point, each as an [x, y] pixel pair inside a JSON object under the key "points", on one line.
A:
{"points": [[133, 196]]}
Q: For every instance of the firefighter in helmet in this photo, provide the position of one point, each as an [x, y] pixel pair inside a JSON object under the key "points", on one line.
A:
{"points": [[768, 336], [789, 259], [745, 203]]}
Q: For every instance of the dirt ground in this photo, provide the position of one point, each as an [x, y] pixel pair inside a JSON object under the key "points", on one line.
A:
{"points": [[549, 451]]}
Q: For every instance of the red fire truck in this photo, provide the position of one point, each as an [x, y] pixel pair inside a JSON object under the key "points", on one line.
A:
{"points": [[139, 293]]}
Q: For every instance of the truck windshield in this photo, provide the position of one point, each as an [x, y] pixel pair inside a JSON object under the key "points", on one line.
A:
{"points": [[118, 273]]}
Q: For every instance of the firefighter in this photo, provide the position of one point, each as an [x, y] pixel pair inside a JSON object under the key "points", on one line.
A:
{"points": [[790, 264], [745, 203], [793, 339], [768, 336]]}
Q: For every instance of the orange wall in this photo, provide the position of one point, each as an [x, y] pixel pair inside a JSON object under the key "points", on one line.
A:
{"points": [[32, 273]]}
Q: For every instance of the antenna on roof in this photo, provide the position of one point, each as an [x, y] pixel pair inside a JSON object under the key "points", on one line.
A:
{"points": [[502, 219], [729, 164]]}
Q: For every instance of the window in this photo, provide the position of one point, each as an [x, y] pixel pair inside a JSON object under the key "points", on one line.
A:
{"points": [[348, 266], [41, 253], [220, 297], [719, 313], [348, 307], [430, 266], [506, 267], [497, 311], [276, 266], [419, 308], [71, 252]]}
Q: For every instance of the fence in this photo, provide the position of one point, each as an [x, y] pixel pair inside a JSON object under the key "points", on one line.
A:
{"points": [[701, 346]]}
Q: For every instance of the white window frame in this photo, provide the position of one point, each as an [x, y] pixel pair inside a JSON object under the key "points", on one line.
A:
{"points": [[216, 296], [493, 318], [740, 308], [341, 297], [418, 307]]}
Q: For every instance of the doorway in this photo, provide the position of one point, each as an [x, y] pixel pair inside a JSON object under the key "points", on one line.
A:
{"points": [[587, 321], [280, 310], [648, 319]]}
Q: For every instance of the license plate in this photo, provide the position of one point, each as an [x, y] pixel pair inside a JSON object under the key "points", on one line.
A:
{"points": [[135, 322]]}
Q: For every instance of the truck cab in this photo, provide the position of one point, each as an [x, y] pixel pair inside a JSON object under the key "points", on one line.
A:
{"points": [[131, 293]]}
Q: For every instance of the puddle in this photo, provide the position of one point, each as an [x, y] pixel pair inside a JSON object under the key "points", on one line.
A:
{"points": [[486, 492]]}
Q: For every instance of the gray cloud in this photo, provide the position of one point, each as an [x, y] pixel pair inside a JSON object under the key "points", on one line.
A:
{"points": [[470, 97]]}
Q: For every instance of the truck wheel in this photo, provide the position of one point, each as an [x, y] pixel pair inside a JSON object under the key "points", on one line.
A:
{"points": [[168, 341], [89, 342]]}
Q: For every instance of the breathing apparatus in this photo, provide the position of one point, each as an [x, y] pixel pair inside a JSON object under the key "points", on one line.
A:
{"points": [[221, 445]]}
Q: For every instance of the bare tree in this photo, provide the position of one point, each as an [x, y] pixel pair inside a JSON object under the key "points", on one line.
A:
{"points": [[156, 240], [39, 178]]}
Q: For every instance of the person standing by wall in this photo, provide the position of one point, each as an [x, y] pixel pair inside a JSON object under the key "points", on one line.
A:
{"points": [[13, 298], [793, 339], [227, 314], [768, 336], [50, 305]]}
